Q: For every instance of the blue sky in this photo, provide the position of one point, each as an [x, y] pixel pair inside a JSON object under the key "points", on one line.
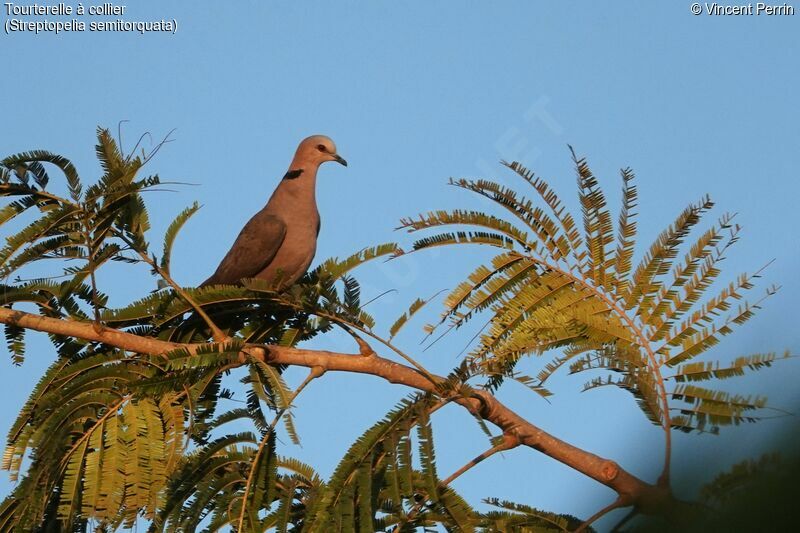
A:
{"points": [[414, 94]]}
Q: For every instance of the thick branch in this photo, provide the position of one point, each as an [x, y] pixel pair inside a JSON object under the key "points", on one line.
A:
{"points": [[86, 331], [647, 498]]}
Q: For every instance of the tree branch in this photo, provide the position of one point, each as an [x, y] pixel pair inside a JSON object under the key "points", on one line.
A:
{"points": [[646, 498]]}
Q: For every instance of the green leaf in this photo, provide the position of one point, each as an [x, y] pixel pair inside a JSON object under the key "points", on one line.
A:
{"points": [[15, 339], [336, 268], [43, 156], [334, 503], [464, 237], [427, 455], [172, 232], [598, 229], [702, 371], [415, 306], [626, 233], [260, 485], [552, 244], [460, 217], [534, 517], [657, 261]]}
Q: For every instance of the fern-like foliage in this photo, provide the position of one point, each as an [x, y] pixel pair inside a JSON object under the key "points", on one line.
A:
{"points": [[238, 480], [376, 486], [108, 438], [104, 431], [552, 288], [99, 450], [521, 518], [84, 229], [726, 484]]}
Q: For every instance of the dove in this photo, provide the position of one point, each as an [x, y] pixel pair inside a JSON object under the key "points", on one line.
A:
{"points": [[279, 242]]}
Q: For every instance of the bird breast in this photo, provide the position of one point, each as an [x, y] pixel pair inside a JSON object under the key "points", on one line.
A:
{"points": [[297, 251]]}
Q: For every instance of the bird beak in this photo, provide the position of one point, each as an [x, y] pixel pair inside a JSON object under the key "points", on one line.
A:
{"points": [[339, 159]]}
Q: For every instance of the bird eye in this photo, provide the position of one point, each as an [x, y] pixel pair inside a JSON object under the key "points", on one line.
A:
{"points": [[321, 148]]}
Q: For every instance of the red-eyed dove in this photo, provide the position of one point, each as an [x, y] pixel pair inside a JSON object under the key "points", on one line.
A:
{"points": [[279, 242]]}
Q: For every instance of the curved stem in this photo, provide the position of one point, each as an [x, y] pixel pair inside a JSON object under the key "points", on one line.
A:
{"points": [[619, 502], [643, 342]]}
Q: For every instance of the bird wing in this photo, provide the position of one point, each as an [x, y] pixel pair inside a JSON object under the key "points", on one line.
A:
{"points": [[254, 248]]}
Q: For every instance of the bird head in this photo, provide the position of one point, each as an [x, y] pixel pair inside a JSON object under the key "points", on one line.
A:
{"points": [[318, 149]]}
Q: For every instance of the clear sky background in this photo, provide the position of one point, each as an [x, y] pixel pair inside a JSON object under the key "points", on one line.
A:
{"points": [[414, 93]]}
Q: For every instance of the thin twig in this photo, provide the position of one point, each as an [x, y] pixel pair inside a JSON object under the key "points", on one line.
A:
{"points": [[363, 348], [155, 150], [119, 135], [619, 502], [625, 519], [136, 146], [381, 295], [509, 442]]}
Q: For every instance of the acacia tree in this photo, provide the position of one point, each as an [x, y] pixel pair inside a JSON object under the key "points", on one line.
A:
{"points": [[127, 422]]}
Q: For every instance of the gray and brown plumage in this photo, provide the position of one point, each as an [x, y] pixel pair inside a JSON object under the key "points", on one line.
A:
{"points": [[279, 242]]}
